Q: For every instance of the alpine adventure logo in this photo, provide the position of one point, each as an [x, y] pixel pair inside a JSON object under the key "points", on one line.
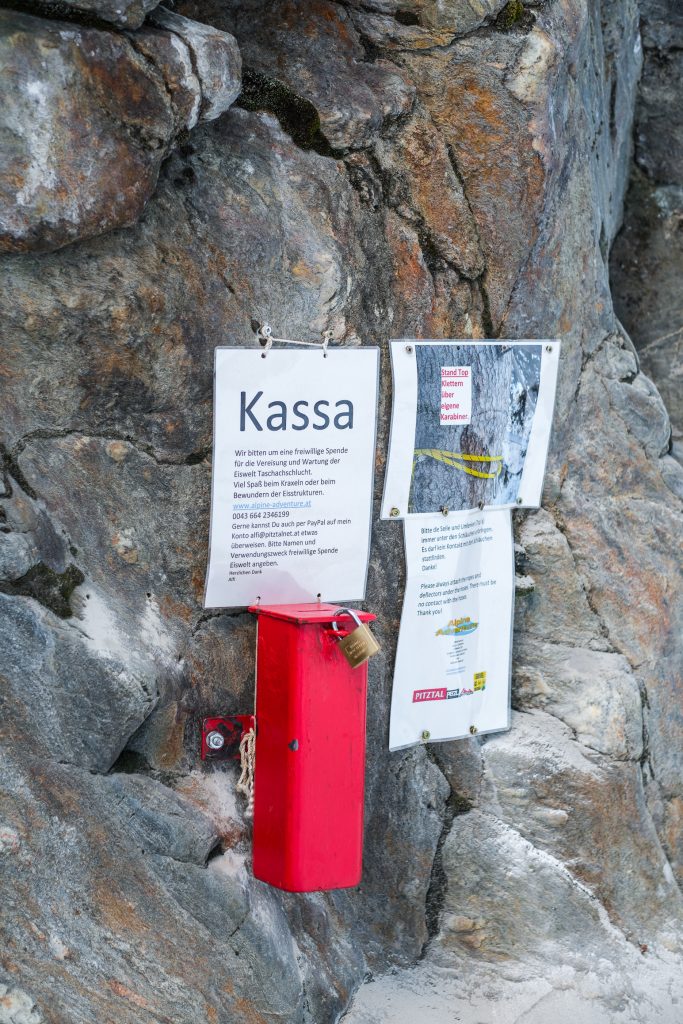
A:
{"points": [[458, 627]]}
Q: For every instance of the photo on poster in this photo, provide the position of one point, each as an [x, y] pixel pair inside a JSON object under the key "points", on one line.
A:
{"points": [[470, 424], [452, 672], [473, 424], [292, 475]]}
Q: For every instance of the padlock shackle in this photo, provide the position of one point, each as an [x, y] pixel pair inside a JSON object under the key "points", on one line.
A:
{"points": [[345, 611]]}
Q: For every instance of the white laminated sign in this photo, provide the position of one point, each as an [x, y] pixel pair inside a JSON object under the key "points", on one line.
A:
{"points": [[470, 424], [452, 674], [293, 470]]}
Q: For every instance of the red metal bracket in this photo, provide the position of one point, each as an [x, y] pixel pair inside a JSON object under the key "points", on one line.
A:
{"points": [[230, 729]]}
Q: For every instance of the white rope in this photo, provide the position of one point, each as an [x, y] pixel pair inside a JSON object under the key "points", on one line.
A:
{"points": [[291, 341], [245, 783], [265, 334]]}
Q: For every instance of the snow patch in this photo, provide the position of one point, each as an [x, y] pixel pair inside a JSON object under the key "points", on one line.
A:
{"points": [[637, 990], [106, 636], [9, 840], [100, 627], [190, 80], [38, 133], [215, 794], [230, 865], [59, 950], [156, 633], [16, 1007]]}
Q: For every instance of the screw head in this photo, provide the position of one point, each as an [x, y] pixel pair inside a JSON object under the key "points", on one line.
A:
{"points": [[215, 740], [549, 348], [394, 512], [426, 734], [473, 730], [444, 510], [519, 501], [409, 348]]}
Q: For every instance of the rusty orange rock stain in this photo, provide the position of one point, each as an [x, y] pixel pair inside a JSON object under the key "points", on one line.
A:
{"points": [[172, 610], [197, 583], [170, 743], [124, 992], [248, 1012], [117, 450]]}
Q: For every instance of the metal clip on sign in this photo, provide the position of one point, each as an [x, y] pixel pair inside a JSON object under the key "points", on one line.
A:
{"points": [[264, 333]]}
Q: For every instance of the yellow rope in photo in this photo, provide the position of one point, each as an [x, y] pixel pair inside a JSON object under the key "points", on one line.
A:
{"points": [[458, 460]]}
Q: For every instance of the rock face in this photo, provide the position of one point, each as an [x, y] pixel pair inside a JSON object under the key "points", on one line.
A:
{"points": [[647, 258], [124, 13], [392, 168], [88, 116]]}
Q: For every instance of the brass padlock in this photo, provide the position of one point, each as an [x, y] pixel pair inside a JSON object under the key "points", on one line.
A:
{"points": [[359, 645]]}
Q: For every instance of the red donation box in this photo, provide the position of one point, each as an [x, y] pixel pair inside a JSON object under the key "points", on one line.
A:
{"points": [[309, 775]]}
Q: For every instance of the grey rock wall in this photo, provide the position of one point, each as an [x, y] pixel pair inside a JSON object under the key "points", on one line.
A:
{"points": [[389, 169], [87, 116], [124, 13], [647, 258]]}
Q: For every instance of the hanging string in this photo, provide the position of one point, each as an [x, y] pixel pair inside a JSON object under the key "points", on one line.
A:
{"points": [[245, 783], [264, 333]]}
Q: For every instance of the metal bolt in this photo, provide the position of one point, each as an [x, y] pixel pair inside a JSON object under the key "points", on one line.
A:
{"points": [[480, 506], [473, 730], [409, 348], [394, 512], [426, 734], [443, 510], [215, 740], [549, 348], [519, 501]]}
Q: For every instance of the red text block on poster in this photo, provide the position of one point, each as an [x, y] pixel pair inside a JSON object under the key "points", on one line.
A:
{"points": [[456, 395]]}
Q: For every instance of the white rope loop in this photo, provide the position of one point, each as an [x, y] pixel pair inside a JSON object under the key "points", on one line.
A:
{"points": [[245, 783], [265, 335]]}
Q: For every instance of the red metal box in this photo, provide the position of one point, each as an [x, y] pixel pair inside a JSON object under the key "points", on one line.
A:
{"points": [[309, 776]]}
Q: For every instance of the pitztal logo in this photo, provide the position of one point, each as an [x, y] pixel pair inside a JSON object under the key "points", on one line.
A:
{"points": [[443, 694], [458, 627], [422, 695]]}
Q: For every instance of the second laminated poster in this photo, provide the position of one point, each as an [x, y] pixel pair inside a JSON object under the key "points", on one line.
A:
{"points": [[452, 674]]}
